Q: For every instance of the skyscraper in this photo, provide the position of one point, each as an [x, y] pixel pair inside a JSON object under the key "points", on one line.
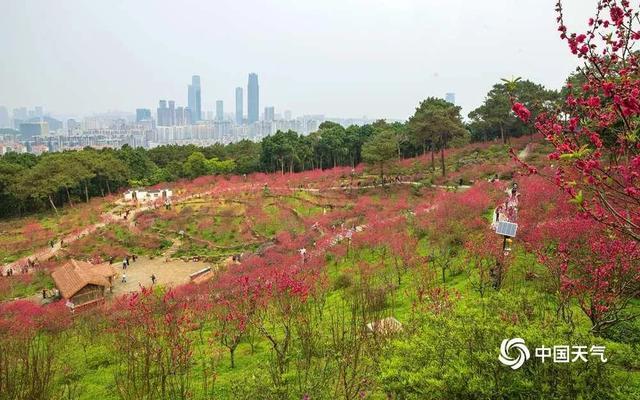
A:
{"points": [[451, 98], [195, 100], [180, 116], [219, 110], [287, 115], [253, 99], [239, 110], [172, 113], [269, 113], [163, 113]]}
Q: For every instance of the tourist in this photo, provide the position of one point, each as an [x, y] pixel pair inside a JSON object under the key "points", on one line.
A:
{"points": [[153, 279], [44, 293], [124, 264], [124, 278]]}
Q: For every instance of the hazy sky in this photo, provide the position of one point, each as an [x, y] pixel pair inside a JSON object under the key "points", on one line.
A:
{"points": [[346, 58]]}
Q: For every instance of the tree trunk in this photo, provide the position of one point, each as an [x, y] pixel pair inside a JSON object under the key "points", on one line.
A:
{"points": [[444, 172], [86, 192], [232, 356], [433, 158], [53, 205], [502, 134], [68, 196], [108, 187]]}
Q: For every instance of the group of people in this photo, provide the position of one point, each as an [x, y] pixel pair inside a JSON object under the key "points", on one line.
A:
{"points": [[126, 262], [24, 269]]}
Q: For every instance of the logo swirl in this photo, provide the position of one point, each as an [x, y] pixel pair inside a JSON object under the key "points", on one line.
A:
{"points": [[518, 345]]}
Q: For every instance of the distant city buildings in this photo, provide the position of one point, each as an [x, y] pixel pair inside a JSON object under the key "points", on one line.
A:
{"points": [[253, 99], [170, 123], [450, 97], [239, 108], [195, 98], [219, 110]]}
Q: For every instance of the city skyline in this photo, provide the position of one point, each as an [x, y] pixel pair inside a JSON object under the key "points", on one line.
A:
{"points": [[331, 66]]}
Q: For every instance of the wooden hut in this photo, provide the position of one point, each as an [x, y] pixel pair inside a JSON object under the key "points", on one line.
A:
{"points": [[82, 283]]}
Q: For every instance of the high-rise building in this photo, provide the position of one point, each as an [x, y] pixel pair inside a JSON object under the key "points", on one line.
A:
{"points": [[30, 129], [163, 114], [219, 110], [4, 117], [239, 111], [269, 113], [143, 114], [188, 119], [450, 97], [253, 99], [72, 124], [287, 115], [172, 112], [195, 99], [180, 116]]}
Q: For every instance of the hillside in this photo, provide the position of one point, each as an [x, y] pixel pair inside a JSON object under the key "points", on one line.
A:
{"points": [[322, 256]]}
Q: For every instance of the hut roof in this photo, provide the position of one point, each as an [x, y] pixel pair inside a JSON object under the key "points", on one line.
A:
{"points": [[74, 275]]}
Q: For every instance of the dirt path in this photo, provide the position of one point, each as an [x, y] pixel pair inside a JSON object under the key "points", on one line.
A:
{"points": [[168, 272]]}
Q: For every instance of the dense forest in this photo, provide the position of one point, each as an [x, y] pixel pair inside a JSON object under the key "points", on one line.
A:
{"points": [[30, 183]]}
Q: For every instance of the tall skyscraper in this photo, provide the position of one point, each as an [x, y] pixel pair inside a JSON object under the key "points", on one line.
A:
{"points": [[219, 110], [195, 99], [287, 115], [239, 109], [269, 113], [253, 99], [451, 98]]}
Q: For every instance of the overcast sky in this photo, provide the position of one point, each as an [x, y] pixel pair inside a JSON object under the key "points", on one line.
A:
{"points": [[343, 58]]}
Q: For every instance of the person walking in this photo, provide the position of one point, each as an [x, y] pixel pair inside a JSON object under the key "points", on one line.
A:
{"points": [[124, 265], [153, 279], [124, 278]]}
